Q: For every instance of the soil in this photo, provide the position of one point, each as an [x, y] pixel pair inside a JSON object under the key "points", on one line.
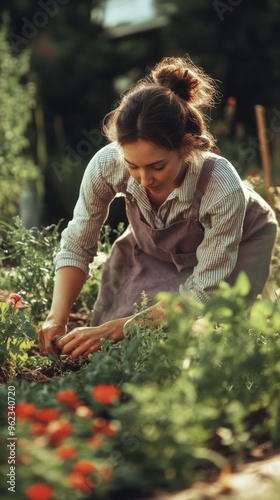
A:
{"points": [[46, 372]]}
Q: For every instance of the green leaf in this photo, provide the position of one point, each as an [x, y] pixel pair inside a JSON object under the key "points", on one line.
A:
{"points": [[242, 284]]}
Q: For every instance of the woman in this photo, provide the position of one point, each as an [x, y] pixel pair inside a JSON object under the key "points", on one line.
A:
{"points": [[192, 221]]}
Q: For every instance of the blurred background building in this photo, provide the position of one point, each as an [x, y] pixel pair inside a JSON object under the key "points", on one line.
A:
{"points": [[123, 17]]}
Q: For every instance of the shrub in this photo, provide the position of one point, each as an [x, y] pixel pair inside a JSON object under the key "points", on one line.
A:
{"points": [[27, 257]]}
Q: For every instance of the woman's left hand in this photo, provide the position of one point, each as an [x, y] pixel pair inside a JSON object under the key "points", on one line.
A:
{"points": [[86, 340]]}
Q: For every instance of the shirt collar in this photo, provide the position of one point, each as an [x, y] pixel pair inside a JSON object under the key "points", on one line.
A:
{"points": [[138, 192]]}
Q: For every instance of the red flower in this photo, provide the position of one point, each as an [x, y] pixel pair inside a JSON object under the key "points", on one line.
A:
{"points": [[47, 414], [231, 101], [254, 176], [15, 300], [66, 452], [80, 482], [58, 431], [42, 491], [95, 442], [84, 467], [68, 398], [38, 429], [25, 410], [105, 393], [102, 426]]}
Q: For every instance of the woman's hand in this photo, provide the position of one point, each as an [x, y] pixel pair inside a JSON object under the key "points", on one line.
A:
{"points": [[67, 286], [86, 340], [49, 330]]}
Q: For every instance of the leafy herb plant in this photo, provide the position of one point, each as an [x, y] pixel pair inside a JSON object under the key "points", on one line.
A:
{"points": [[17, 335], [27, 257]]}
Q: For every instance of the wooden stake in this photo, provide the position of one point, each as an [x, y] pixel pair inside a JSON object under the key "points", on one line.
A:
{"points": [[264, 151]]}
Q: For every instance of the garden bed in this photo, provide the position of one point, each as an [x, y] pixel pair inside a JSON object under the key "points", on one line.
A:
{"points": [[45, 369], [192, 409]]}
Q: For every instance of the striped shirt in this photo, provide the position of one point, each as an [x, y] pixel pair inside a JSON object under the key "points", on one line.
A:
{"points": [[222, 212]]}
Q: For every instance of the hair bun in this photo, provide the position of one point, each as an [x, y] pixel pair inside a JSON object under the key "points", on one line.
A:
{"points": [[185, 79]]}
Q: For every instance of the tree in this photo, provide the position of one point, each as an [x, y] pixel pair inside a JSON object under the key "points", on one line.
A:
{"points": [[16, 100]]}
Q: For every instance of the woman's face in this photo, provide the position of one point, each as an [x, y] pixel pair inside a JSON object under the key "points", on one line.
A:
{"points": [[157, 169]]}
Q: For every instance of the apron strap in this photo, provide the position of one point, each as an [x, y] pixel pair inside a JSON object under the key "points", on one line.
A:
{"points": [[206, 172]]}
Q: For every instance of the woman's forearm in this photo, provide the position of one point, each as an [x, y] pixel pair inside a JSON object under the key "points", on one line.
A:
{"points": [[156, 315], [67, 286], [85, 341]]}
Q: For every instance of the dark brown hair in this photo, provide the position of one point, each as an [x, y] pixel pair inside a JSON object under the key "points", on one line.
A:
{"points": [[166, 108]]}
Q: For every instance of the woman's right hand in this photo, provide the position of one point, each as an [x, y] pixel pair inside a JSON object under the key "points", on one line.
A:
{"points": [[67, 286], [47, 332]]}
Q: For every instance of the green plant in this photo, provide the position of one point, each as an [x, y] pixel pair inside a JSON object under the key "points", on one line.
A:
{"points": [[37, 361], [27, 257], [17, 335]]}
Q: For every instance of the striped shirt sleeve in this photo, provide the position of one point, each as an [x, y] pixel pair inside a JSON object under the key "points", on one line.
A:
{"points": [[80, 239]]}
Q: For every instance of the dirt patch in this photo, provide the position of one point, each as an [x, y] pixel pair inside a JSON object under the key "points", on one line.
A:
{"points": [[44, 373]]}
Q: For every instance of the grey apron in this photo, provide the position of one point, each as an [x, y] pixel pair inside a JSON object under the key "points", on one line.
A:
{"points": [[154, 260]]}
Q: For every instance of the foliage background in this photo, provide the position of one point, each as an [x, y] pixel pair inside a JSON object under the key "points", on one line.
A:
{"points": [[77, 70]]}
